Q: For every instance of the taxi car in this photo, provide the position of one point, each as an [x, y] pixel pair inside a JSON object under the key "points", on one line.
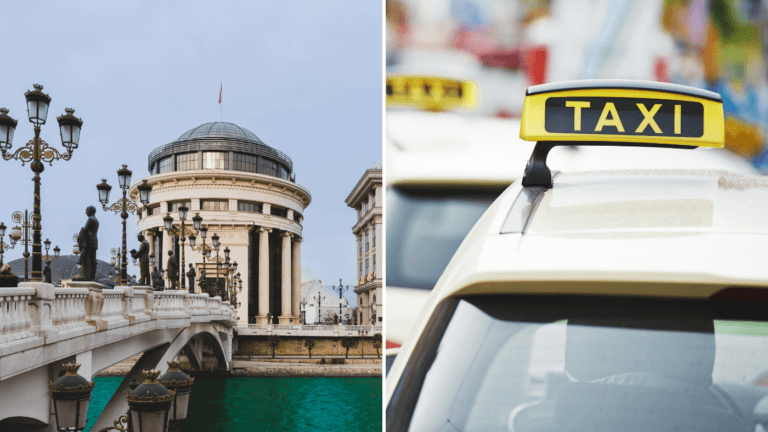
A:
{"points": [[618, 300], [446, 165]]}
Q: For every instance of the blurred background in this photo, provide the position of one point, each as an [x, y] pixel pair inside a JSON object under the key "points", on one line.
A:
{"points": [[505, 46]]}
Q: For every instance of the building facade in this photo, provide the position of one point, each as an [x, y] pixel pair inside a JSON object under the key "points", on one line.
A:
{"points": [[246, 193], [366, 200]]}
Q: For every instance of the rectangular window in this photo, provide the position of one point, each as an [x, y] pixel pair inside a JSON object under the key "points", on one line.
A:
{"points": [[296, 217], [154, 210], [374, 235], [366, 207], [164, 165], [360, 273], [268, 167], [215, 160], [251, 207], [277, 211], [360, 243], [186, 161], [373, 200], [366, 240], [374, 262], [366, 266], [214, 204], [360, 213], [283, 173], [244, 162], [174, 206]]}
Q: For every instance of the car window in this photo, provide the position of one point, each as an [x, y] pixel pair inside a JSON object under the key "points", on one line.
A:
{"points": [[512, 364], [424, 229]]}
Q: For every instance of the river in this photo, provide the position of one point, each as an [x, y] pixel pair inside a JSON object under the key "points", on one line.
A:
{"points": [[271, 404]]}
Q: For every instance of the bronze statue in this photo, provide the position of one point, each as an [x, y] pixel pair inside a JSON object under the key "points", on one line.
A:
{"points": [[143, 256], [157, 280], [47, 272], [7, 278], [191, 277], [88, 242], [173, 271]]}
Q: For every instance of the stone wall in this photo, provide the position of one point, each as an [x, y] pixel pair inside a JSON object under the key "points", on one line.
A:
{"points": [[324, 346]]}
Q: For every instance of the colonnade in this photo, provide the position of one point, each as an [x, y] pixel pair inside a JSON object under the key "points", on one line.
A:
{"points": [[290, 287]]}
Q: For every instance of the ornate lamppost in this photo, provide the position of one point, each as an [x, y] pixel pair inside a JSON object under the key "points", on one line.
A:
{"points": [[341, 288], [123, 207], [196, 222], [319, 299], [4, 246], [21, 233], [303, 310], [362, 332], [56, 251], [117, 262], [149, 404], [76, 252], [203, 248], [37, 151]]}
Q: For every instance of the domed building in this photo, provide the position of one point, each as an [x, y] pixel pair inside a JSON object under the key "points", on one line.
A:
{"points": [[246, 193]]}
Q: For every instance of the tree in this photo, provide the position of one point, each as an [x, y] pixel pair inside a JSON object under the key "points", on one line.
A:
{"points": [[274, 342], [377, 343], [348, 343], [309, 343]]}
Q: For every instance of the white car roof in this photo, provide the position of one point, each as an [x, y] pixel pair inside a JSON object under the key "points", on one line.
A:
{"points": [[461, 149], [666, 226]]}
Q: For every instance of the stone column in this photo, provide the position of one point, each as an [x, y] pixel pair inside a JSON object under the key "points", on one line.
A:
{"points": [[366, 310], [296, 280], [285, 287], [261, 318]]}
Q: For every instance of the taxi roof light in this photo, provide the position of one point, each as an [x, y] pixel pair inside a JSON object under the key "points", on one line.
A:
{"points": [[617, 113], [430, 93]]}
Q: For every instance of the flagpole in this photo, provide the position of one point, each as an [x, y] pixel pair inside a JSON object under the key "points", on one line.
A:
{"points": [[221, 101]]}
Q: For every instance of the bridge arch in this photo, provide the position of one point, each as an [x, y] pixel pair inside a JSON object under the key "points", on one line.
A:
{"points": [[191, 339]]}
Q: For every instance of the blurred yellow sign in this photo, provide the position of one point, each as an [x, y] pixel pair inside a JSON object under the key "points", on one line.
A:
{"points": [[430, 93], [650, 113]]}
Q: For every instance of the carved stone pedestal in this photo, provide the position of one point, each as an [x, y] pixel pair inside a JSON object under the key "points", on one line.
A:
{"points": [[93, 303]]}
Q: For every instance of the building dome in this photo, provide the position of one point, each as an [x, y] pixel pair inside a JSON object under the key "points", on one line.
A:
{"points": [[220, 146], [220, 129]]}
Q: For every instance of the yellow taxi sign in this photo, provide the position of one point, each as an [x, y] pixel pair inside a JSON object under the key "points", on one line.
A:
{"points": [[621, 111], [430, 93]]}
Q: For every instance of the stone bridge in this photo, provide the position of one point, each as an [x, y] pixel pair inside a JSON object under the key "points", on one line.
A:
{"points": [[42, 326]]}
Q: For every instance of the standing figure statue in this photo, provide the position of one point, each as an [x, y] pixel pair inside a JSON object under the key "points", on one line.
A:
{"points": [[143, 256], [202, 281], [47, 272], [173, 271], [88, 242], [157, 280], [191, 277]]}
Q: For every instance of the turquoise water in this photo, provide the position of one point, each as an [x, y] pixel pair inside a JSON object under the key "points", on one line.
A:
{"points": [[272, 404]]}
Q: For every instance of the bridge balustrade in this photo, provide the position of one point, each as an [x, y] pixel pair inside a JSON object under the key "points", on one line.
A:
{"points": [[15, 322], [69, 308]]}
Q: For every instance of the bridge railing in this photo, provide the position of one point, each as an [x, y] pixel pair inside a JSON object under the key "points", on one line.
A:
{"points": [[69, 308], [15, 321], [37, 313], [337, 330]]}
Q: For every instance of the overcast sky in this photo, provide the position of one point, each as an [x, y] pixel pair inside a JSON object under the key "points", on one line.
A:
{"points": [[304, 76]]}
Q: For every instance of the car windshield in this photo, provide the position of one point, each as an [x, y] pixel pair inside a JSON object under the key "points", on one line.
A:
{"points": [[537, 363], [424, 229]]}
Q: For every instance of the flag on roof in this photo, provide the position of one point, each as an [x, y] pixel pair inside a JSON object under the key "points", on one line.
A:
{"points": [[220, 89]]}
